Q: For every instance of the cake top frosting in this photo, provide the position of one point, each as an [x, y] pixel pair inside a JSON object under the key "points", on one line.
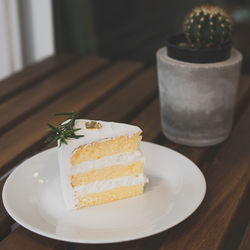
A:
{"points": [[93, 131]]}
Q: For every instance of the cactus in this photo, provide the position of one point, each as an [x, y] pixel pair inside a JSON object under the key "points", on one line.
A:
{"points": [[207, 27]]}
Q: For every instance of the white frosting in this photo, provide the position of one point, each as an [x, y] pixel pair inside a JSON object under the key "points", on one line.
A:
{"points": [[107, 131], [100, 186], [117, 159]]}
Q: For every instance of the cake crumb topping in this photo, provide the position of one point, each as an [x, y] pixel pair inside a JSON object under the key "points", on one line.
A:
{"points": [[93, 125]]}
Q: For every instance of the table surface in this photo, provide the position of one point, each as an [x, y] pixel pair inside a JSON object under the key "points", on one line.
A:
{"points": [[124, 91]]}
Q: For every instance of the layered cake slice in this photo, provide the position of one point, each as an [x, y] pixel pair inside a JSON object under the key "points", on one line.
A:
{"points": [[103, 165]]}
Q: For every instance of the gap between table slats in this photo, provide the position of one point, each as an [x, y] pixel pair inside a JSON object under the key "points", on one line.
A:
{"points": [[245, 242]]}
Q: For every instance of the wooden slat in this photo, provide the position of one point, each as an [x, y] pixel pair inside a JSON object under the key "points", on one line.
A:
{"points": [[5, 220], [130, 245], [243, 96], [31, 74], [141, 244], [129, 100], [238, 224], [24, 239], [149, 121], [227, 179], [15, 144], [92, 247], [43, 92], [245, 243]]}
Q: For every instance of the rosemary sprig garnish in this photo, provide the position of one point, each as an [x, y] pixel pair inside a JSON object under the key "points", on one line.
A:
{"points": [[65, 130]]}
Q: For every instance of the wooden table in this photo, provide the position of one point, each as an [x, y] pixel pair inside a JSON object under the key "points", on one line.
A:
{"points": [[124, 91]]}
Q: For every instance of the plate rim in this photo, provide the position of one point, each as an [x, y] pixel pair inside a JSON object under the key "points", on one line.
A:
{"points": [[34, 229]]}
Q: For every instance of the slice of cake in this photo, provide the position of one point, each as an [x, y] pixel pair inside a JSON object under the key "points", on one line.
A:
{"points": [[104, 165]]}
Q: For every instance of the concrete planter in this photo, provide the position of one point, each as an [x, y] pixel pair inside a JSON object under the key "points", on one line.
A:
{"points": [[197, 100]]}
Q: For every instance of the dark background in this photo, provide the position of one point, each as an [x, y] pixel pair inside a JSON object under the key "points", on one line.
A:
{"points": [[135, 29]]}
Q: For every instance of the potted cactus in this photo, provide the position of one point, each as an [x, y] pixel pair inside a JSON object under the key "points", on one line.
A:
{"points": [[206, 36], [198, 75]]}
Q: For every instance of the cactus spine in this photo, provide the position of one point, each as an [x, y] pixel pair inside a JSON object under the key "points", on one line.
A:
{"points": [[207, 27]]}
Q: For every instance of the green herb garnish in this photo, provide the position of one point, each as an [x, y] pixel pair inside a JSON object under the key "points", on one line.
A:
{"points": [[65, 130]]}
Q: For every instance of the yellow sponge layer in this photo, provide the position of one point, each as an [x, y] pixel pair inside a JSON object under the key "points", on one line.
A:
{"points": [[120, 193], [101, 149], [107, 173]]}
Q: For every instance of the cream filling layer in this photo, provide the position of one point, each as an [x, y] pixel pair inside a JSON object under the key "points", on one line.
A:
{"points": [[100, 186], [125, 159]]}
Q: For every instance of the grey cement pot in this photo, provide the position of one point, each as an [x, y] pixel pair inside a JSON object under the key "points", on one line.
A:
{"points": [[197, 100]]}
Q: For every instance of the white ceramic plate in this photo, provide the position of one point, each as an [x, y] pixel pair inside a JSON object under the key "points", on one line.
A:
{"points": [[32, 196]]}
